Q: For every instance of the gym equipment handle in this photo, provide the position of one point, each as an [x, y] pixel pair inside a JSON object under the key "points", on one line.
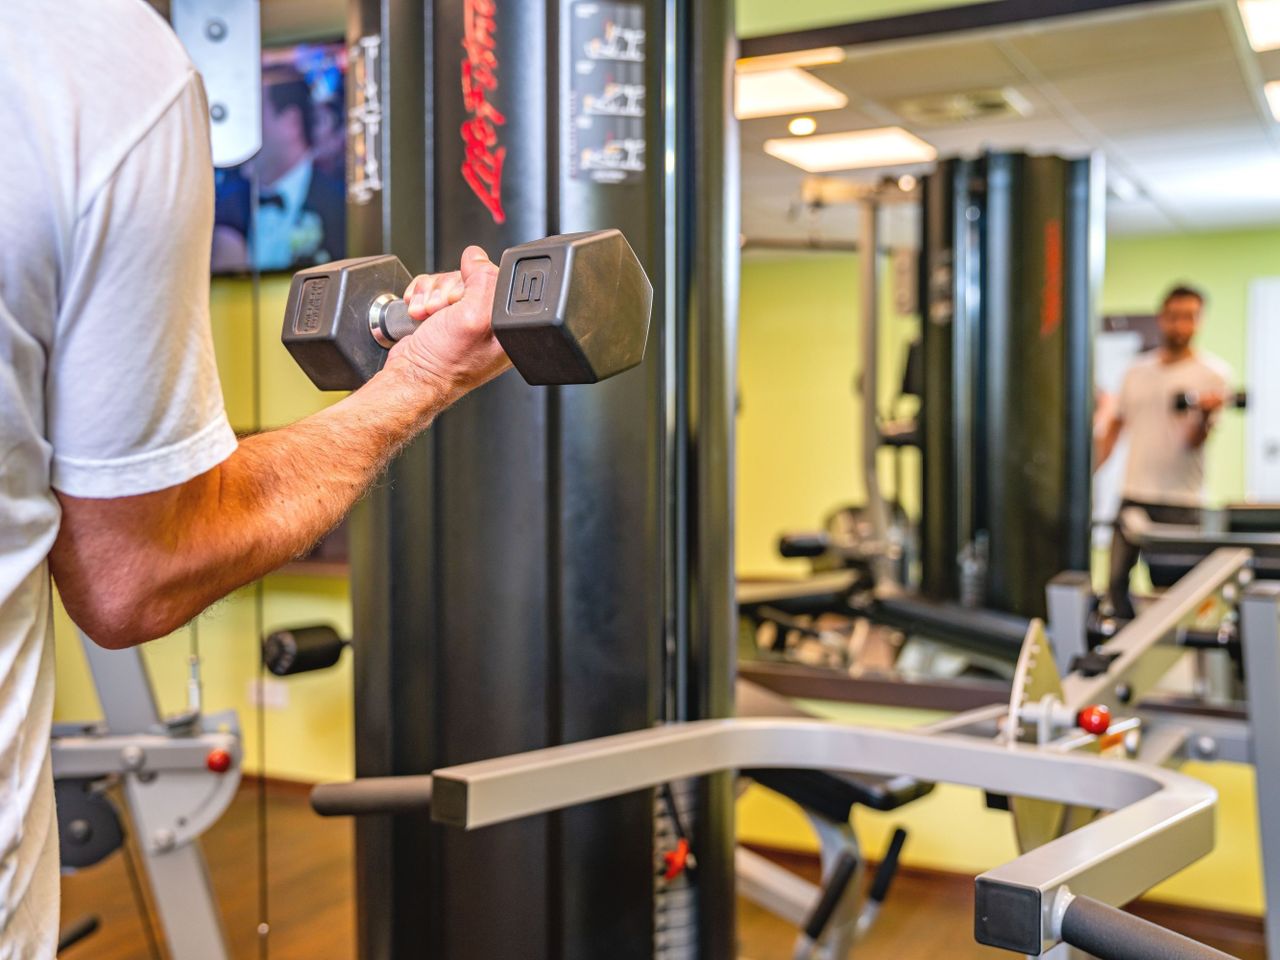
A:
{"points": [[1109, 933], [791, 545], [302, 649], [888, 867], [846, 866], [372, 795], [76, 931]]}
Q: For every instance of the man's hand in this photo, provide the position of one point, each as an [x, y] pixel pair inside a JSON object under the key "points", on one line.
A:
{"points": [[454, 347], [1210, 401]]}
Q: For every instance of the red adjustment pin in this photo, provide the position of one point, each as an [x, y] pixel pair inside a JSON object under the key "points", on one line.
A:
{"points": [[677, 860], [218, 760], [1095, 719]]}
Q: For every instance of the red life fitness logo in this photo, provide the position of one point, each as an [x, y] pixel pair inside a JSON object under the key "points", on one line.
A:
{"points": [[482, 165], [1051, 301]]}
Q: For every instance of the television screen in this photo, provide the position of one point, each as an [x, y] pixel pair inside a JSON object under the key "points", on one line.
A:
{"points": [[297, 179]]}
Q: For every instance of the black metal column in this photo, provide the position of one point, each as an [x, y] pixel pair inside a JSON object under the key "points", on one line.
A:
{"points": [[1011, 266], [391, 585], [551, 564]]}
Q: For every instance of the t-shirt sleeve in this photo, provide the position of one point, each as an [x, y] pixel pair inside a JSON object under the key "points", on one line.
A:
{"points": [[1125, 399], [133, 398]]}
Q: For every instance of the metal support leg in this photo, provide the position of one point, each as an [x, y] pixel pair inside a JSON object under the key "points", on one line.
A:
{"points": [[171, 801], [1068, 598], [833, 840], [183, 896], [1260, 632]]}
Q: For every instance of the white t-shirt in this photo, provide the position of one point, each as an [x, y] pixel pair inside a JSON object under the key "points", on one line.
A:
{"points": [[107, 380], [1163, 467]]}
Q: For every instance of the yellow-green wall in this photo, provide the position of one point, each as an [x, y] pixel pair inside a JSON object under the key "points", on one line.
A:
{"points": [[759, 17], [799, 421]]}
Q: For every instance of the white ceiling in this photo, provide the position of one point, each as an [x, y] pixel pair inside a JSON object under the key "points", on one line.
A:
{"points": [[1171, 95]]}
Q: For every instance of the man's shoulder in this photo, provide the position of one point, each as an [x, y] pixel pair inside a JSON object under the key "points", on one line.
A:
{"points": [[1144, 364], [111, 42], [1213, 365]]}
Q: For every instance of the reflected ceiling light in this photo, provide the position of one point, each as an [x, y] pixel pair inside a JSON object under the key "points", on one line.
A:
{"points": [[771, 93], [1123, 189], [802, 126], [1273, 97], [818, 57], [1261, 22], [856, 149]]}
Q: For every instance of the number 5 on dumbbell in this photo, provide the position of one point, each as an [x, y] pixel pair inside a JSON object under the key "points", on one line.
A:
{"points": [[567, 309]]}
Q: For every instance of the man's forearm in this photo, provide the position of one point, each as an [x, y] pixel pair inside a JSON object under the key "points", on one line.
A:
{"points": [[1198, 433], [266, 504]]}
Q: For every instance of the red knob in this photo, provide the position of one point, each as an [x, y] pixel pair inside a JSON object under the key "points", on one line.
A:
{"points": [[1095, 719], [218, 760], [677, 860]]}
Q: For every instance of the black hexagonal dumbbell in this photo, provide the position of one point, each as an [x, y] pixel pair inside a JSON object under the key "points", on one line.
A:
{"points": [[567, 309]]}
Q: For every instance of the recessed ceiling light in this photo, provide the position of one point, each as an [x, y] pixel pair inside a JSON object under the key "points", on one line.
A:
{"points": [[1261, 22], [802, 126], [796, 58], [771, 93], [1273, 97], [882, 147]]}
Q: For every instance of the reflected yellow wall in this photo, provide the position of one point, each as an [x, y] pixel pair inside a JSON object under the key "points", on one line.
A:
{"points": [[799, 419]]}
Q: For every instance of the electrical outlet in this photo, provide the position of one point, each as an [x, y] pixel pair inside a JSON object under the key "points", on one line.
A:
{"points": [[268, 693]]}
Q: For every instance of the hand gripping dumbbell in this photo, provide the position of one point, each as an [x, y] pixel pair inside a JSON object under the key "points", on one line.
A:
{"points": [[1182, 402], [567, 309]]}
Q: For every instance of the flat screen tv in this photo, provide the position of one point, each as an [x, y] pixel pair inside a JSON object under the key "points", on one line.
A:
{"points": [[286, 208]]}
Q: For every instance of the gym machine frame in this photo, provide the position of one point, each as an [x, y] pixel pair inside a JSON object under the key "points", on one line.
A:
{"points": [[1144, 650], [1160, 821], [178, 776]]}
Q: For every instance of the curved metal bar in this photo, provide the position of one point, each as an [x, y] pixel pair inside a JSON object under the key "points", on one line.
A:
{"points": [[1160, 821]]}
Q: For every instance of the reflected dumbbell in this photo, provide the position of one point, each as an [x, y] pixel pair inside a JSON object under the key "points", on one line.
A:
{"points": [[567, 309], [1183, 402]]}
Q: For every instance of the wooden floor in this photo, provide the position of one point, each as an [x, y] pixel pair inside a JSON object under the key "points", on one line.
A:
{"points": [[928, 915]]}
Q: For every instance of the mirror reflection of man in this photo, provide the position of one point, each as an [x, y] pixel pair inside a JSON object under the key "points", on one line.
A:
{"points": [[1164, 474], [301, 208]]}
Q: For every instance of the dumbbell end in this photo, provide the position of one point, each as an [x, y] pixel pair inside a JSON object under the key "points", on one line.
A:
{"points": [[573, 309], [327, 320]]}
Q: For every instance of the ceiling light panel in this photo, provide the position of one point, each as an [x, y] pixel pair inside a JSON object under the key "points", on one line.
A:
{"points": [[821, 56], [853, 150], [1261, 22], [772, 93]]}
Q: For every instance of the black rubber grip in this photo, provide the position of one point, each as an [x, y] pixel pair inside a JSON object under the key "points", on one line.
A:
{"points": [[302, 649], [888, 867], [836, 885], [372, 795], [1110, 933], [76, 931], [791, 545]]}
